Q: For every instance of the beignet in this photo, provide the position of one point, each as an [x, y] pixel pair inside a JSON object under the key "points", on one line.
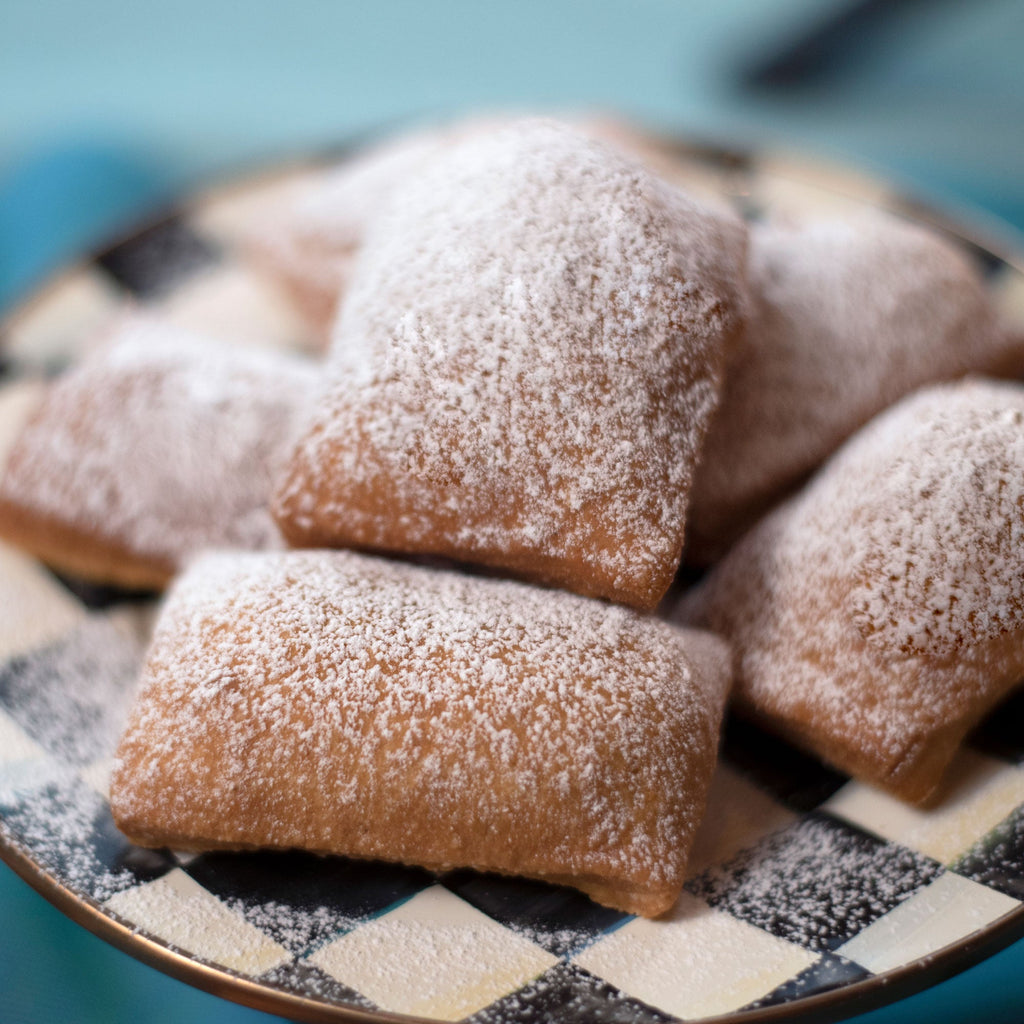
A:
{"points": [[347, 704], [310, 240], [846, 317], [157, 445], [536, 331], [879, 614]]}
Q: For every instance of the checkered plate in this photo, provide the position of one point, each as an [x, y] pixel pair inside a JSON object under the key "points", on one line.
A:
{"points": [[810, 896]]}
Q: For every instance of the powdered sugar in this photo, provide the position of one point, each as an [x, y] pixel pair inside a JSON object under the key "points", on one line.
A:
{"points": [[816, 882], [941, 569], [66, 828], [875, 615], [74, 694], [71, 697], [535, 329], [336, 702], [336, 212], [847, 316], [310, 239], [163, 442]]}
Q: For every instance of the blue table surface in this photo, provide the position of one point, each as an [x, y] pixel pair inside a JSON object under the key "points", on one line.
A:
{"points": [[110, 109]]}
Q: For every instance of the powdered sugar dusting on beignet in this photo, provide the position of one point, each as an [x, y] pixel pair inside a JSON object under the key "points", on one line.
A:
{"points": [[162, 443], [343, 703], [877, 616], [536, 329], [847, 316]]}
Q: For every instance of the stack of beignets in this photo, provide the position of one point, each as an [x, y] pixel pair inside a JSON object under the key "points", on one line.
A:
{"points": [[530, 346], [537, 327], [879, 614], [846, 317], [525, 364]]}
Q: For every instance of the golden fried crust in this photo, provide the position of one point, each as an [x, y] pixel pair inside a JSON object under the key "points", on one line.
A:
{"points": [[153, 448], [345, 704], [526, 362], [878, 616], [66, 549]]}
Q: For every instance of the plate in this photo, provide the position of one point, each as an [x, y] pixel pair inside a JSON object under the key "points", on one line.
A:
{"points": [[811, 897]]}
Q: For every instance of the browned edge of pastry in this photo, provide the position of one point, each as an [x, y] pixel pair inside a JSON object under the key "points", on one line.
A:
{"points": [[529, 567], [69, 550]]}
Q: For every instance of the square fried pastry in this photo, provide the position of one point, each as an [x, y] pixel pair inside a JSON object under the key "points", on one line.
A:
{"points": [[347, 704], [877, 616], [846, 317], [157, 445], [527, 359]]}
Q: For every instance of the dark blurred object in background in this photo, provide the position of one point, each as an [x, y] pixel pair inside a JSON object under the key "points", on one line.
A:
{"points": [[928, 91], [838, 44]]}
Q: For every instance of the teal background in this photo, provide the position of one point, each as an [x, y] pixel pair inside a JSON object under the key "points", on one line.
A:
{"points": [[108, 108]]}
